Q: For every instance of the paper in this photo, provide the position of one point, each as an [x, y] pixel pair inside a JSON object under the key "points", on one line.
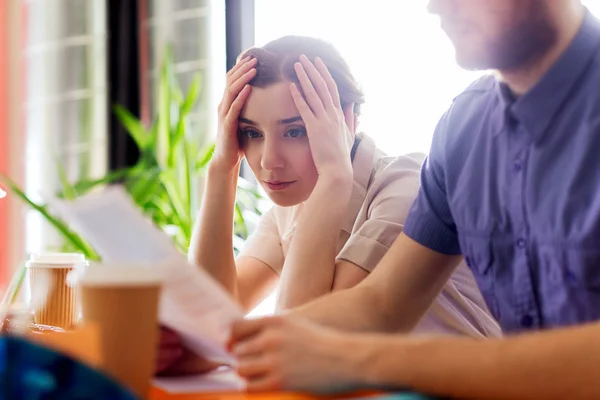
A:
{"points": [[192, 302], [223, 380]]}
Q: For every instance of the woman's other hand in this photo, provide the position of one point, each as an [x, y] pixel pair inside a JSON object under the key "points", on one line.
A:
{"points": [[170, 350], [326, 122], [176, 360]]}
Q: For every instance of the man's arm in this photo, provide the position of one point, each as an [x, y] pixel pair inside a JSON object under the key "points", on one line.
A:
{"points": [[393, 297], [561, 364]]}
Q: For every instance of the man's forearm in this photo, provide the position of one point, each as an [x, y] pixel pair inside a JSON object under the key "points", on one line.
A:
{"points": [[357, 309], [562, 364], [393, 298]]}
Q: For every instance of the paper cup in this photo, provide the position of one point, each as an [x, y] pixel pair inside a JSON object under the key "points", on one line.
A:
{"points": [[122, 301], [54, 302]]}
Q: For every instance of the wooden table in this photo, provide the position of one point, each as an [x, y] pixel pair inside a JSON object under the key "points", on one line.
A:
{"points": [[158, 394]]}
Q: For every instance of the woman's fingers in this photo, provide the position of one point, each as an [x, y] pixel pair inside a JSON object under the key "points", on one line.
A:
{"points": [[301, 105], [233, 90], [317, 82], [169, 350], [331, 85], [240, 68], [166, 357], [313, 99], [237, 105]]}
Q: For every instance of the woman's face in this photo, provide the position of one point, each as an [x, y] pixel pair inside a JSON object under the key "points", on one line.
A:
{"points": [[274, 140]]}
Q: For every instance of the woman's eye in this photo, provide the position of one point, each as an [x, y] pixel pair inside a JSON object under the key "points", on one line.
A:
{"points": [[294, 133], [250, 134]]}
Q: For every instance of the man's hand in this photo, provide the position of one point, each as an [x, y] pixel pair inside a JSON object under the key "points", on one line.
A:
{"points": [[286, 353]]}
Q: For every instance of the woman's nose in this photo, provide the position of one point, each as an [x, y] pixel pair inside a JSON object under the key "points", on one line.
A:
{"points": [[272, 157]]}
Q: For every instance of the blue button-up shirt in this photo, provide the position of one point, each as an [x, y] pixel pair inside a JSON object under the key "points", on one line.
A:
{"points": [[514, 186]]}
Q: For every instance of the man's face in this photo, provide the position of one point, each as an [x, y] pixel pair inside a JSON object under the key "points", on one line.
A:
{"points": [[496, 34]]}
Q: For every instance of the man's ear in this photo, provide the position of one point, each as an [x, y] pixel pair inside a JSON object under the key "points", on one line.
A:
{"points": [[350, 117]]}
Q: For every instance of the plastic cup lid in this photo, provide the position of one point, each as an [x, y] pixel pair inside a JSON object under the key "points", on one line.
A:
{"points": [[117, 275], [56, 259]]}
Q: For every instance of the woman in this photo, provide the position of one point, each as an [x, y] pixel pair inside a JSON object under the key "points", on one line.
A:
{"points": [[291, 109]]}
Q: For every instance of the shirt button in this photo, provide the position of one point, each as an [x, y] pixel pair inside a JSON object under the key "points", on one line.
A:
{"points": [[521, 243], [518, 165], [527, 321]]}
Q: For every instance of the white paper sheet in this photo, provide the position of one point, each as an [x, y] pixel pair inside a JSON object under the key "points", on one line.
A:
{"points": [[224, 380], [192, 302]]}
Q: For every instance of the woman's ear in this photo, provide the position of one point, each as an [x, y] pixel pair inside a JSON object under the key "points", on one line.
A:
{"points": [[350, 117]]}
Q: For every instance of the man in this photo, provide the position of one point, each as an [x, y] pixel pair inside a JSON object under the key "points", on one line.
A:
{"points": [[512, 182]]}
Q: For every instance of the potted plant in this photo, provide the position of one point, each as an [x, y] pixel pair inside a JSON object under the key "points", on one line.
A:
{"points": [[164, 182]]}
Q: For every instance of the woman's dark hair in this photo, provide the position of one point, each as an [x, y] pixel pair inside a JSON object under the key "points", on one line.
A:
{"points": [[276, 59]]}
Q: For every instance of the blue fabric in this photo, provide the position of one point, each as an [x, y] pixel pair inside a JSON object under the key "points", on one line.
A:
{"points": [[513, 184], [31, 372]]}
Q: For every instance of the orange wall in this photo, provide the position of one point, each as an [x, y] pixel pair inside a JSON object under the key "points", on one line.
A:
{"points": [[12, 73], [4, 137]]}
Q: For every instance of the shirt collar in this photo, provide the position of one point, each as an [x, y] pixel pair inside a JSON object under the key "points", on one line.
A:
{"points": [[537, 108], [362, 167]]}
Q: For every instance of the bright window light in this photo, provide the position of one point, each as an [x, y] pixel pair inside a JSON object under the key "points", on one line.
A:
{"points": [[398, 53], [396, 50]]}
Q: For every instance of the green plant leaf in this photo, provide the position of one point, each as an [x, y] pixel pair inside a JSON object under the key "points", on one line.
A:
{"points": [[205, 156], [152, 141], [178, 136], [68, 191], [56, 222], [84, 186], [186, 180], [174, 195], [164, 147], [133, 125], [142, 184], [191, 96], [15, 285], [240, 222]]}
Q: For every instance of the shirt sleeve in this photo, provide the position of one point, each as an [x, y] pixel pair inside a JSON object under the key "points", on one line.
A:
{"points": [[430, 221], [264, 243], [390, 198]]}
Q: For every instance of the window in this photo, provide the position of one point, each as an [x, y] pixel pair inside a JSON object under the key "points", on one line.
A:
{"points": [[396, 50], [65, 100], [398, 53]]}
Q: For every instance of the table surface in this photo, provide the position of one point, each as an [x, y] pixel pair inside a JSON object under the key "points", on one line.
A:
{"points": [[158, 394]]}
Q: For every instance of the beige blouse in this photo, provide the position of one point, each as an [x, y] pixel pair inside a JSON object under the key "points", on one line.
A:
{"points": [[381, 197], [383, 192]]}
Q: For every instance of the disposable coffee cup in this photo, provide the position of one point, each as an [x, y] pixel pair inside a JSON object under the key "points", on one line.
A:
{"points": [[54, 301], [122, 302]]}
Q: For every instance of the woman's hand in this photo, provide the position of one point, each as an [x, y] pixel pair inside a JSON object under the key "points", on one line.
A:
{"points": [[176, 360], [326, 123], [228, 154], [169, 350]]}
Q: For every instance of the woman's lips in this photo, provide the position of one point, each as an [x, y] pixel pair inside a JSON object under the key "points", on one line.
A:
{"points": [[278, 185]]}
